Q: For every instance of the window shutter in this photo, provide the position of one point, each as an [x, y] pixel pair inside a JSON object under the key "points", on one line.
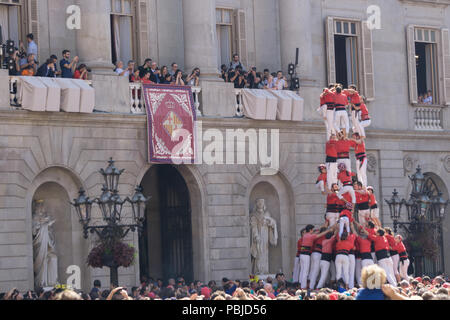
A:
{"points": [[331, 60], [143, 35], [412, 66], [368, 70], [33, 18], [446, 66], [241, 36]]}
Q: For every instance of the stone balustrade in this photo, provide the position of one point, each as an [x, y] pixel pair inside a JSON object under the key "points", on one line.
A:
{"points": [[428, 118]]}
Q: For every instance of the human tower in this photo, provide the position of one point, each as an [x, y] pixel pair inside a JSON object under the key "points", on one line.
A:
{"points": [[352, 236]]}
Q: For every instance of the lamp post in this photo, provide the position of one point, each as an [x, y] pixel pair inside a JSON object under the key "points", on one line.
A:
{"points": [[420, 208], [111, 205]]}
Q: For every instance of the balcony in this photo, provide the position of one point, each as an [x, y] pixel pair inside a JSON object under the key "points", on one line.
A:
{"points": [[428, 118]]}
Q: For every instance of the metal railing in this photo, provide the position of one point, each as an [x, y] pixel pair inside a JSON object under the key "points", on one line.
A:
{"points": [[137, 102]]}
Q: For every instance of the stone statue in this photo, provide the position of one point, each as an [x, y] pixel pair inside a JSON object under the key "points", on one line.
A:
{"points": [[45, 260], [263, 233]]}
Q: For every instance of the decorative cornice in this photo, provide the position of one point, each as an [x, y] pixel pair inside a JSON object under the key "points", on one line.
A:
{"points": [[434, 3]]}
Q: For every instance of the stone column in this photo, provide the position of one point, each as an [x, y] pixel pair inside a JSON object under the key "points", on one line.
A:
{"points": [[295, 32], [94, 37], [200, 39]]}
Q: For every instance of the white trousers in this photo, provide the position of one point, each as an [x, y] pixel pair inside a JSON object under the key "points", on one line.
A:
{"points": [[374, 213], [322, 111], [363, 216], [314, 270], [374, 257], [395, 261], [331, 173], [355, 121], [321, 186], [387, 265], [324, 269], [304, 270], [342, 268], [296, 271], [346, 189], [333, 218], [351, 270], [404, 269], [361, 171], [358, 269], [347, 163], [344, 221], [333, 271], [361, 125], [341, 120], [330, 121]]}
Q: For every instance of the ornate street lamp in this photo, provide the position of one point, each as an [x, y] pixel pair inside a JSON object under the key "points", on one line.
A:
{"points": [[439, 205], [417, 180], [138, 204], [395, 207], [83, 207], [111, 206], [421, 209]]}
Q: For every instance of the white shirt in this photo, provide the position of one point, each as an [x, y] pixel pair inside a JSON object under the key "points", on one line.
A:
{"points": [[281, 83], [428, 100], [119, 71], [32, 49]]}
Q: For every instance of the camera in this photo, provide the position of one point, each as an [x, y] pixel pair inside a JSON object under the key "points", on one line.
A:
{"points": [[88, 70]]}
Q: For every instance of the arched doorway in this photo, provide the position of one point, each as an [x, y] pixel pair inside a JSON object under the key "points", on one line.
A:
{"points": [[165, 247]]}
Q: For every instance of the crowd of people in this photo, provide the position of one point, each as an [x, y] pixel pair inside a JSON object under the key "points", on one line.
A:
{"points": [[236, 73], [253, 289]]}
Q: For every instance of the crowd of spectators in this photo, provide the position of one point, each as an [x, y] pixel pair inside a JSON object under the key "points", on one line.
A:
{"points": [[420, 288], [252, 79], [151, 73], [426, 98]]}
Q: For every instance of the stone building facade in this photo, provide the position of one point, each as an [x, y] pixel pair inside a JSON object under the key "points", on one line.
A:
{"points": [[50, 156]]}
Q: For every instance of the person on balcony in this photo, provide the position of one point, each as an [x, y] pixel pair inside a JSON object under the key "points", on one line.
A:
{"points": [[236, 63], [178, 78], [146, 79], [32, 46], [145, 67], [47, 69], [30, 62], [81, 72], [194, 79], [67, 67], [280, 82], [155, 73], [121, 72]]}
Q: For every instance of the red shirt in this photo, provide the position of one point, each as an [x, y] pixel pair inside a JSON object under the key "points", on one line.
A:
{"points": [[343, 148], [77, 75], [329, 96], [328, 245], [355, 97], [381, 243], [308, 239], [299, 246], [371, 231], [333, 203], [360, 147], [331, 149], [347, 244], [364, 112], [364, 245], [345, 177], [391, 241], [373, 200], [341, 99], [361, 197], [347, 214], [322, 101], [399, 247], [318, 244], [322, 177]]}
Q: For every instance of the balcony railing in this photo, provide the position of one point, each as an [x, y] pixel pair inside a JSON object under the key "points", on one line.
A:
{"points": [[428, 118], [137, 102]]}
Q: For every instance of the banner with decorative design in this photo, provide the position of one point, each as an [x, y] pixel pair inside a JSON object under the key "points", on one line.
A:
{"points": [[171, 124]]}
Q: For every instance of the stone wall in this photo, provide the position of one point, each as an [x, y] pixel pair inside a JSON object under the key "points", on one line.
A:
{"points": [[69, 149]]}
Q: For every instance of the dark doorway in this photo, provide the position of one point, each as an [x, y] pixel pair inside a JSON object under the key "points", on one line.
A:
{"points": [[346, 56], [166, 244]]}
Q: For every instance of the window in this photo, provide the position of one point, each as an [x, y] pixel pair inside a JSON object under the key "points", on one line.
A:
{"points": [[224, 26], [426, 66], [122, 30], [428, 63], [10, 21], [349, 54], [231, 35]]}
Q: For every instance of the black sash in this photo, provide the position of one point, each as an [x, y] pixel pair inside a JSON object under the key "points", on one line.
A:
{"points": [[382, 254]]}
